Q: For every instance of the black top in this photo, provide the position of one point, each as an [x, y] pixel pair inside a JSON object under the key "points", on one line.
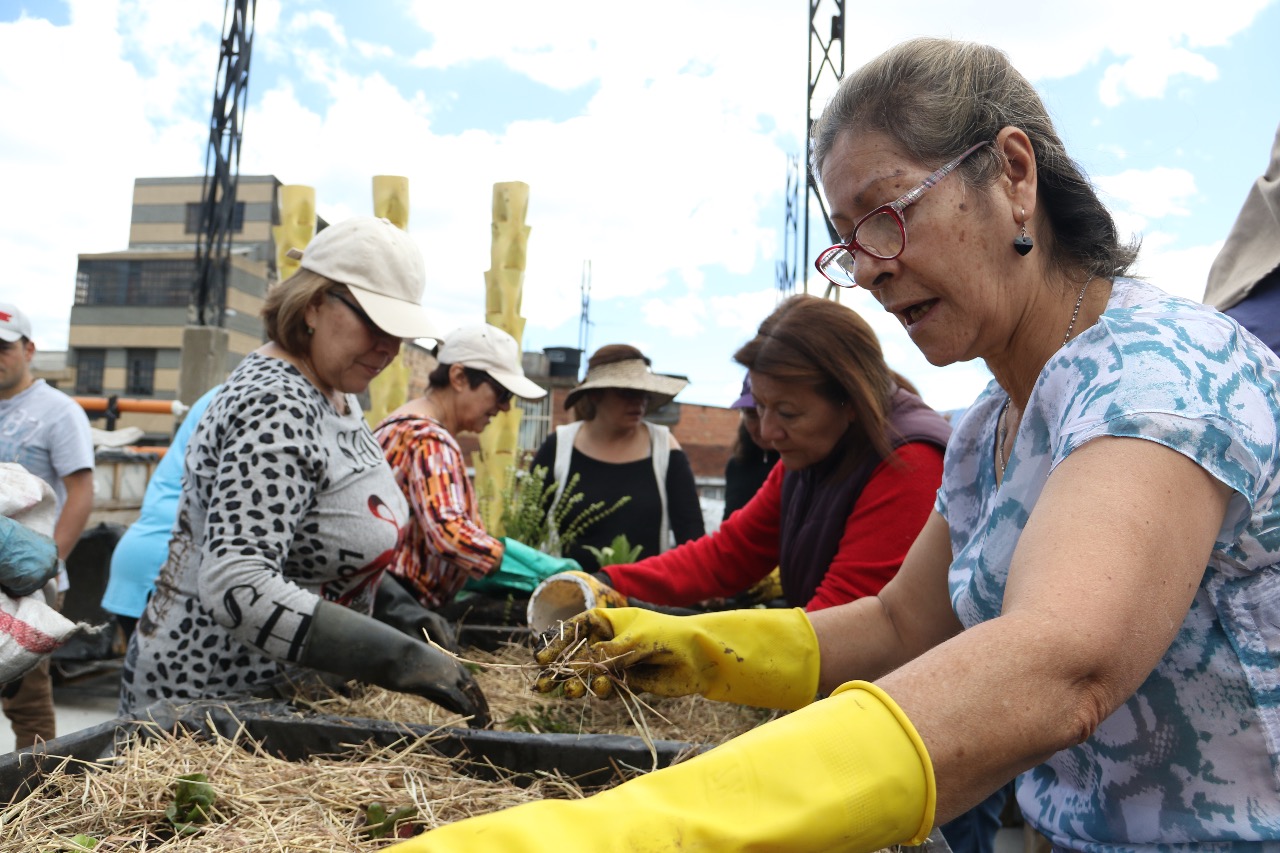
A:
{"points": [[743, 479], [640, 518]]}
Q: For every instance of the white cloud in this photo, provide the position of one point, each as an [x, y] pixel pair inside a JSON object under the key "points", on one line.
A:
{"points": [[321, 21], [681, 317], [743, 312], [1148, 75], [1149, 193], [1182, 272]]}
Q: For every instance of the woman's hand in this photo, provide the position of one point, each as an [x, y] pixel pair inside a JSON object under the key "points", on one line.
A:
{"points": [[359, 647], [765, 658]]}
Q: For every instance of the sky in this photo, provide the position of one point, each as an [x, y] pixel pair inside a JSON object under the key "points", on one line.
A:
{"points": [[654, 137]]}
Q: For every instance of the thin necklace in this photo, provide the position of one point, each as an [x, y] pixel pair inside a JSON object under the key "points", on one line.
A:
{"points": [[335, 398], [1002, 419]]}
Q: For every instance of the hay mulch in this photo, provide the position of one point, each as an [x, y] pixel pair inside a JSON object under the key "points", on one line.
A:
{"points": [[506, 676], [263, 803]]}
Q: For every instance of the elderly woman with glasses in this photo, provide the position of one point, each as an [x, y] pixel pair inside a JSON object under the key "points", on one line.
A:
{"points": [[1092, 606], [478, 374], [289, 517]]}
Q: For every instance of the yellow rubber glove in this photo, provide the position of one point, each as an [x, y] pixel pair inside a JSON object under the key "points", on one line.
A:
{"points": [[848, 773], [765, 658]]}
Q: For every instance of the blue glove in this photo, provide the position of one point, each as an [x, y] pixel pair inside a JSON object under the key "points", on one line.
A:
{"points": [[27, 559]]}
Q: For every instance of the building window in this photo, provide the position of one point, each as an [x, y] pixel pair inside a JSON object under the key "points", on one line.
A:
{"points": [[150, 283], [193, 217], [535, 423], [141, 376], [89, 368]]}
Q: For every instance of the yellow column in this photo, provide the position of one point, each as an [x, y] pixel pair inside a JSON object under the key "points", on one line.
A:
{"points": [[504, 285], [390, 388], [297, 225]]}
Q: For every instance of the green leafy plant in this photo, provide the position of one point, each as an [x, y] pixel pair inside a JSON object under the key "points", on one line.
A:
{"points": [[616, 553], [565, 530], [379, 823], [525, 517], [524, 505], [78, 844], [193, 800]]}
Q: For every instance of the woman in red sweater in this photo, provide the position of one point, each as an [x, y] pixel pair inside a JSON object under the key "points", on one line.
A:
{"points": [[861, 462]]}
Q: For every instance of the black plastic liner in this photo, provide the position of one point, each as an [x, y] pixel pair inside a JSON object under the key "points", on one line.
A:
{"points": [[592, 760]]}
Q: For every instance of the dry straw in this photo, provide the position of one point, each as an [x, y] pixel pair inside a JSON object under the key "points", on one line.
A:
{"points": [[265, 803], [506, 676]]}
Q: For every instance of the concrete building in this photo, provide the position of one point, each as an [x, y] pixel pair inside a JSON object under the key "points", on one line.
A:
{"points": [[131, 306]]}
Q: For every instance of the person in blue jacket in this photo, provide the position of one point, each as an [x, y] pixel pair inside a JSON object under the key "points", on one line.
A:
{"points": [[141, 551]]}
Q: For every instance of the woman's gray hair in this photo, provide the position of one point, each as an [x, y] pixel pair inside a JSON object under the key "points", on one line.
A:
{"points": [[936, 97]]}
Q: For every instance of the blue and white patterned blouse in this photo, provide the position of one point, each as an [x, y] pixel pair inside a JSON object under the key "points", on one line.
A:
{"points": [[1194, 756]]}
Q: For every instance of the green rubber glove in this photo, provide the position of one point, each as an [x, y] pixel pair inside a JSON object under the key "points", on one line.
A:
{"points": [[522, 569], [765, 658], [517, 555], [848, 774]]}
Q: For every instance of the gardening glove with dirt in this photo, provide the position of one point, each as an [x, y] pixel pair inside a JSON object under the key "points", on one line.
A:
{"points": [[359, 647], [848, 773], [394, 605], [765, 658], [27, 559]]}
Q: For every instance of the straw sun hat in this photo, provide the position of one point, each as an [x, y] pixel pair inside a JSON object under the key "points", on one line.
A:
{"points": [[633, 374]]}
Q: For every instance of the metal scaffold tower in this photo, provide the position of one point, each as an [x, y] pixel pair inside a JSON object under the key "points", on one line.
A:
{"points": [[222, 166], [826, 43]]}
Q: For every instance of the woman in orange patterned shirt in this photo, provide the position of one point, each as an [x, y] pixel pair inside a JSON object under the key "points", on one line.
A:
{"points": [[478, 374]]}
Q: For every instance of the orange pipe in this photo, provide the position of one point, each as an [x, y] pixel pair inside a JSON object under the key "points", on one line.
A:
{"points": [[149, 407], [158, 451]]}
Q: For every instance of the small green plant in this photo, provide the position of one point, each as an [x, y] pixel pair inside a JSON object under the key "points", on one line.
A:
{"points": [[379, 823], [193, 800], [525, 517], [524, 505], [616, 553]]}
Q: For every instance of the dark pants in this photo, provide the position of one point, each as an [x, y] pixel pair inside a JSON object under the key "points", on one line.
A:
{"points": [[975, 830]]}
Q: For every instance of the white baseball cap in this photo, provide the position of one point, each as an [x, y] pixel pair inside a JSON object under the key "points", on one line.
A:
{"points": [[383, 267], [488, 348], [14, 325]]}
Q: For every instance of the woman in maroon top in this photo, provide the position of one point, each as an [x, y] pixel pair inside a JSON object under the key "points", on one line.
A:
{"points": [[861, 462]]}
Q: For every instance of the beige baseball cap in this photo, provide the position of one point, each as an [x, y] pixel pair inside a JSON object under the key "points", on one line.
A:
{"points": [[488, 348], [382, 266]]}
